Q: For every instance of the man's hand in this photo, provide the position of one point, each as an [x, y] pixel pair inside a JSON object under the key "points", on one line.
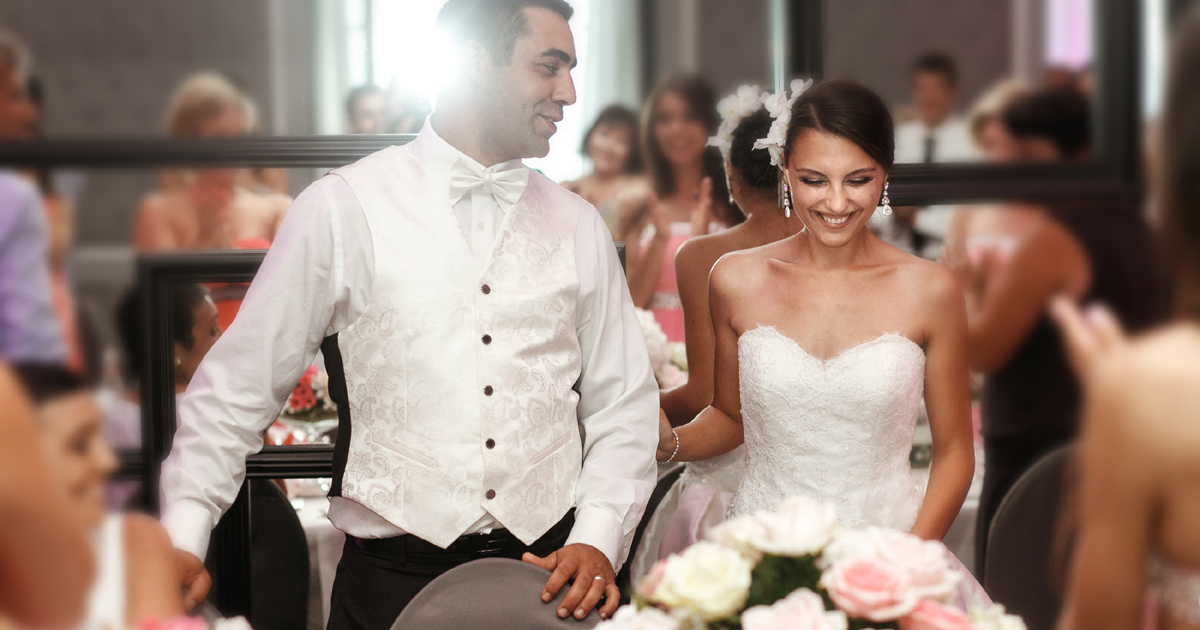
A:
{"points": [[193, 577], [583, 564]]}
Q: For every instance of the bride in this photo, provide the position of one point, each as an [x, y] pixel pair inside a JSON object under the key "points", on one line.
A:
{"points": [[826, 341]]}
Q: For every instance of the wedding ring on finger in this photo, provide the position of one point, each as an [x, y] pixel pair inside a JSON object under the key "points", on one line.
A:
{"points": [[601, 578]]}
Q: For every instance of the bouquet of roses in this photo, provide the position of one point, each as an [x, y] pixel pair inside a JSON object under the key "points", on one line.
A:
{"points": [[668, 359], [796, 569], [195, 623], [310, 399]]}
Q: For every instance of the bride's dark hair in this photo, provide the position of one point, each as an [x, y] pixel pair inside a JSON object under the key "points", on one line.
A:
{"points": [[753, 165], [848, 110]]}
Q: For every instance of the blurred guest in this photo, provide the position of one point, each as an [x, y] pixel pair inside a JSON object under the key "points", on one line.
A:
{"points": [[937, 134], [699, 500], [612, 146], [46, 566], [365, 110], [29, 328], [992, 231], [60, 218], [1140, 450], [136, 578], [1095, 250], [208, 208], [753, 184], [686, 196], [405, 110]]}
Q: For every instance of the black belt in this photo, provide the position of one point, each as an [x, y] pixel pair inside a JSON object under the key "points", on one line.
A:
{"points": [[482, 545]]}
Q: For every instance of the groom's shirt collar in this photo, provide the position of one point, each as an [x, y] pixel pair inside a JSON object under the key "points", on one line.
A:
{"points": [[438, 157]]}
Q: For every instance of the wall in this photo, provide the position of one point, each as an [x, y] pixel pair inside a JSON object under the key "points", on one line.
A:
{"points": [[729, 45]]}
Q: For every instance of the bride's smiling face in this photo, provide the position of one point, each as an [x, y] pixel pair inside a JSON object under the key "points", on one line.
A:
{"points": [[835, 186]]}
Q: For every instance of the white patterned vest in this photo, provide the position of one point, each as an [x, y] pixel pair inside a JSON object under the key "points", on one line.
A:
{"points": [[458, 385]]}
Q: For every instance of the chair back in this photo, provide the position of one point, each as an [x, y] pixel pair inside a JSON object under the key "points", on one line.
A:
{"points": [[1027, 546], [492, 594]]}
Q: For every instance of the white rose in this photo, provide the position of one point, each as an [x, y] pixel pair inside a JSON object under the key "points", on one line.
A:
{"points": [[800, 526], [656, 339], [748, 100], [776, 104], [742, 535], [630, 618], [995, 618], [802, 610], [706, 579]]}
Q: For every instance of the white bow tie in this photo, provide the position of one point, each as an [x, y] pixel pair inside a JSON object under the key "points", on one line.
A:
{"points": [[506, 186]]}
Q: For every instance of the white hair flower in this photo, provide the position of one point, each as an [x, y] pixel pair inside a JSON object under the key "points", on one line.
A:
{"points": [[779, 105], [733, 108]]}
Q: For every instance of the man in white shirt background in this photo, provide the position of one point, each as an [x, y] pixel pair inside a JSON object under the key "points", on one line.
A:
{"points": [[937, 134], [494, 394]]}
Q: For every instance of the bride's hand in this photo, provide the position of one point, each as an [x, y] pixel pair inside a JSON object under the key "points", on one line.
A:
{"points": [[666, 438]]}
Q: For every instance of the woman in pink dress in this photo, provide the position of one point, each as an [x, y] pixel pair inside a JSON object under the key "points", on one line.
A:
{"points": [[686, 196]]}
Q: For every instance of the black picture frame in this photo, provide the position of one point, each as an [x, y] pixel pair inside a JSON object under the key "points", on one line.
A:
{"points": [[1115, 170]]}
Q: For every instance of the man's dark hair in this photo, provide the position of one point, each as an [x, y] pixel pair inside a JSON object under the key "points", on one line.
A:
{"points": [[43, 382], [495, 24], [620, 116], [937, 62], [1061, 115], [359, 93], [131, 325]]}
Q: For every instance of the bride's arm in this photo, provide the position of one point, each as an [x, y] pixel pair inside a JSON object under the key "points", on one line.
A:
{"points": [[718, 429], [948, 403]]}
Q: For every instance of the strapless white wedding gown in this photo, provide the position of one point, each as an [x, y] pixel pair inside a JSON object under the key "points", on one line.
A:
{"points": [[837, 429]]}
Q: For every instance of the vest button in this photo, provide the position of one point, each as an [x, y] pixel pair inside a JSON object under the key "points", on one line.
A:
{"points": [[485, 289], [487, 339], [487, 391], [490, 443], [491, 494]]}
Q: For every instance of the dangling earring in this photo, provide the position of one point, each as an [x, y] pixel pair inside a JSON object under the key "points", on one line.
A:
{"points": [[887, 203], [787, 195]]}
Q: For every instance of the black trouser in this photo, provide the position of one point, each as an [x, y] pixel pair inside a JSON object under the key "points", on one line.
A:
{"points": [[376, 579], [1005, 460]]}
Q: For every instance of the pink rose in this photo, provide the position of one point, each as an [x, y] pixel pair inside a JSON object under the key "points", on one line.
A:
{"points": [[802, 610], [650, 583], [178, 623], [930, 615], [926, 561], [865, 588]]}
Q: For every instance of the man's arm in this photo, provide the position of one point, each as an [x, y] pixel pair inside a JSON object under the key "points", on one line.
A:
{"points": [[618, 410], [29, 328], [304, 291]]}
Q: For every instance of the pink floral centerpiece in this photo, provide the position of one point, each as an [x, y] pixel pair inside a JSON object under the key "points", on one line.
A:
{"points": [[796, 568]]}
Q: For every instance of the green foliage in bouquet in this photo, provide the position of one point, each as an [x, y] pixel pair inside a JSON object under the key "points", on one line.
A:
{"points": [[776, 577]]}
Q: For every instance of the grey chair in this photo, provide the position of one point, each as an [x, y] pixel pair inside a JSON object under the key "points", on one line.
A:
{"points": [[1027, 548], [492, 594]]}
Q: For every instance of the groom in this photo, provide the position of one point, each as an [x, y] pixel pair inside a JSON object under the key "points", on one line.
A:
{"points": [[494, 393]]}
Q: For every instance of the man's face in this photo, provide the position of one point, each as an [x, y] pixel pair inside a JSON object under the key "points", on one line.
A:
{"points": [[18, 115], [524, 100], [368, 114], [933, 94]]}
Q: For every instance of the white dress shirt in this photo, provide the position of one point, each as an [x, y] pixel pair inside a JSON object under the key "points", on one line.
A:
{"points": [[317, 279], [951, 142]]}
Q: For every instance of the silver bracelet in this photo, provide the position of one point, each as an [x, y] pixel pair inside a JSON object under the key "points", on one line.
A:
{"points": [[674, 452]]}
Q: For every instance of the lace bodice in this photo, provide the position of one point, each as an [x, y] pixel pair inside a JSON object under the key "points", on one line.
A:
{"points": [[837, 429]]}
